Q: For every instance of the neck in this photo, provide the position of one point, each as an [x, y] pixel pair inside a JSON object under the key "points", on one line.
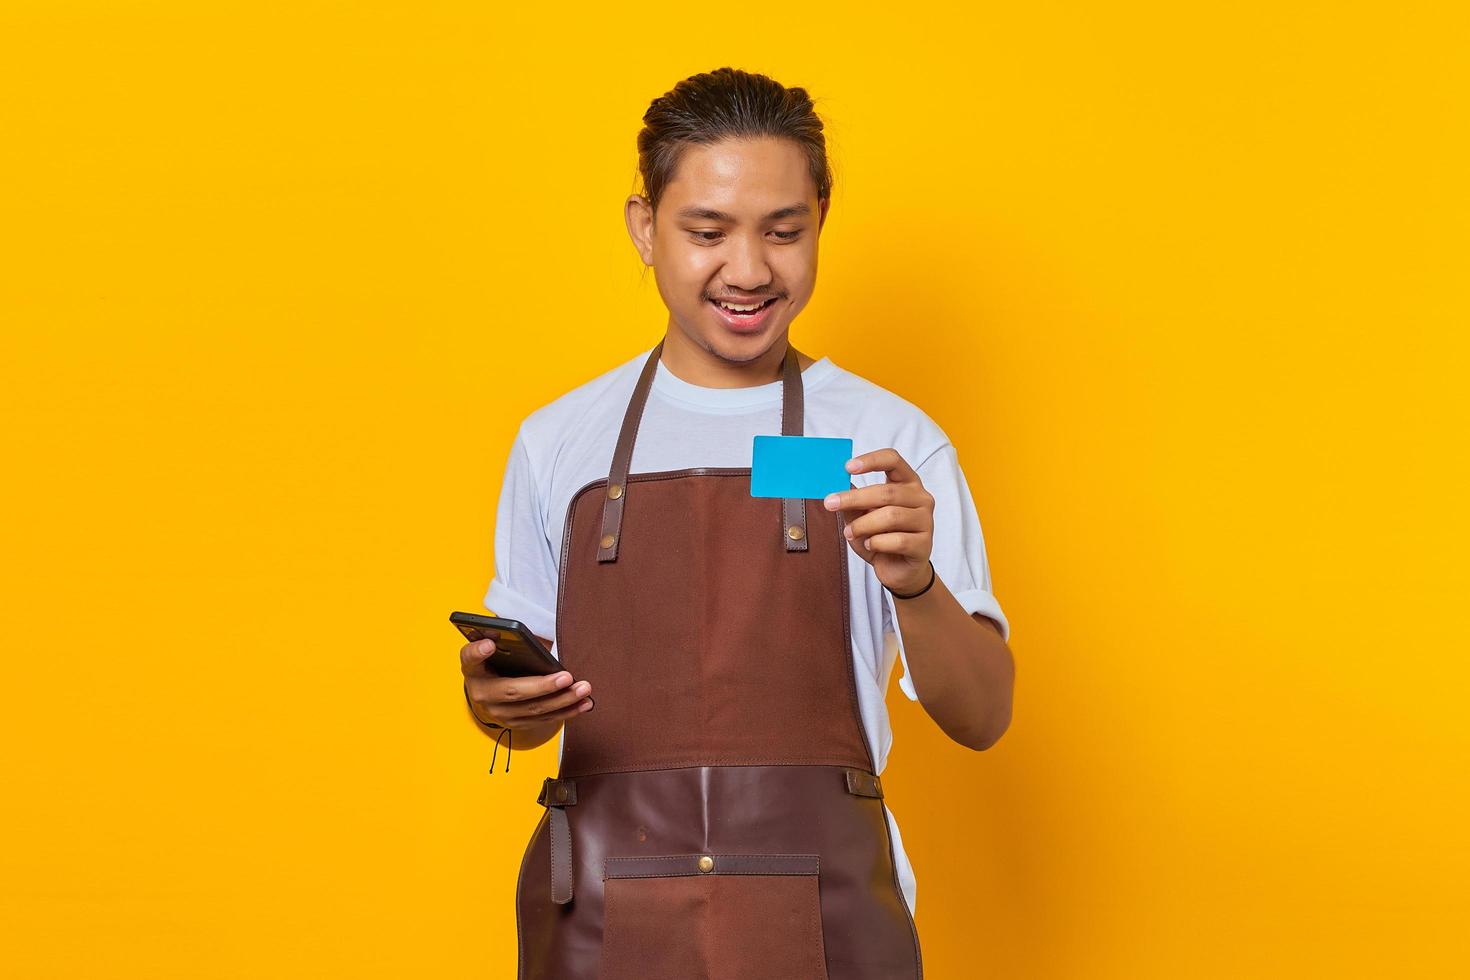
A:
{"points": [[698, 365]]}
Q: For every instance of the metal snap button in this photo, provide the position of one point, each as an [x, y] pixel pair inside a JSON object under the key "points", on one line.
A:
{"points": [[607, 540], [795, 533], [706, 864], [561, 794], [614, 491]]}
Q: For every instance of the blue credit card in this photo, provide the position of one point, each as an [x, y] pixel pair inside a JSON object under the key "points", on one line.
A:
{"points": [[799, 466]]}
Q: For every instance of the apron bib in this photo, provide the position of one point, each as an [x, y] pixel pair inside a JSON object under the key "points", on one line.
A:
{"points": [[717, 815]]}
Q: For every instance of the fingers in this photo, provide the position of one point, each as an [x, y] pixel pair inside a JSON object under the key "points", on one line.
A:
{"points": [[491, 702], [884, 519], [576, 708], [519, 701], [513, 689], [472, 656], [897, 543], [888, 460], [881, 495], [555, 707]]}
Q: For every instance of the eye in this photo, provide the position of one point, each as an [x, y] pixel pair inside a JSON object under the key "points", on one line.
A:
{"points": [[787, 236], [700, 235]]}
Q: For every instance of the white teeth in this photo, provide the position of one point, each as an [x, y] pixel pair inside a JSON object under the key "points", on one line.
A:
{"points": [[742, 309]]}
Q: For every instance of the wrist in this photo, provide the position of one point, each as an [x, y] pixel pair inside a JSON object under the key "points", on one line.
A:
{"points": [[473, 714], [536, 734], [914, 590]]}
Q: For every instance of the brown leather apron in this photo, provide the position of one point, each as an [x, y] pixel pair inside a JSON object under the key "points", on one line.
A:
{"points": [[717, 815]]}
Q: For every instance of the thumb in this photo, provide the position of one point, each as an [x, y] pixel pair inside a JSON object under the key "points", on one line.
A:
{"points": [[472, 656]]}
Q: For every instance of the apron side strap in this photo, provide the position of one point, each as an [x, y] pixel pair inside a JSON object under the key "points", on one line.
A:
{"points": [[557, 792], [861, 783], [556, 795], [793, 509], [561, 857]]}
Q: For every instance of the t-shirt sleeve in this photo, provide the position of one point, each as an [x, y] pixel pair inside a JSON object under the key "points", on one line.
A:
{"points": [[525, 580], [958, 552]]}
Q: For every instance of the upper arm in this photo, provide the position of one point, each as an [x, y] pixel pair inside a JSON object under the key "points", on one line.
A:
{"points": [[958, 552], [524, 584]]}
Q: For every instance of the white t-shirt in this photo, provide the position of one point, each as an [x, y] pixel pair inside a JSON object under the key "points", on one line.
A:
{"points": [[569, 442]]}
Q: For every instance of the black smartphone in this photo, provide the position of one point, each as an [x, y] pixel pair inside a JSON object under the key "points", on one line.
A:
{"points": [[518, 653]]}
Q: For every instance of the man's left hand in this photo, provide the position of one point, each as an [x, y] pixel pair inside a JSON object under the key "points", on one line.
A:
{"points": [[890, 525]]}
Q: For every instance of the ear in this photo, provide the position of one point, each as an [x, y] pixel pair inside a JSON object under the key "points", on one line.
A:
{"points": [[638, 216], [822, 207]]}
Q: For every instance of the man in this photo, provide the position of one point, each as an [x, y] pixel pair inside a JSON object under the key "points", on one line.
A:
{"points": [[722, 711]]}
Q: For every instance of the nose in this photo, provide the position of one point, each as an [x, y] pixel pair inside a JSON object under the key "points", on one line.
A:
{"points": [[746, 268]]}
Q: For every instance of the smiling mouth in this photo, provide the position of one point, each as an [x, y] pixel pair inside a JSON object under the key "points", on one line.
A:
{"points": [[743, 309]]}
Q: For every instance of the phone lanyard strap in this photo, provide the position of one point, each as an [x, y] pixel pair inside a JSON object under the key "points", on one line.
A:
{"points": [[490, 724], [508, 742]]}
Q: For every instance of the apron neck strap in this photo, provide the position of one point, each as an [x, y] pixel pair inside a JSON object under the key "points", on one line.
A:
{"points": [[793, 511]]}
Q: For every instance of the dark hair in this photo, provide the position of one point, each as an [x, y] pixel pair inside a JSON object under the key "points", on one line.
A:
{"points": [[727, 103]]}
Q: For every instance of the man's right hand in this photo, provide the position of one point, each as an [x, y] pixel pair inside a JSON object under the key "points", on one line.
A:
{"points": [[519, 702]]}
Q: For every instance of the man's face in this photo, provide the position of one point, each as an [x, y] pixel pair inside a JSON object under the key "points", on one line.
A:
{"points": [[738, 222]]}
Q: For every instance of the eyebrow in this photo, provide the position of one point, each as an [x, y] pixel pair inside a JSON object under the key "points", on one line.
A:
{"points": [[710, 214]]}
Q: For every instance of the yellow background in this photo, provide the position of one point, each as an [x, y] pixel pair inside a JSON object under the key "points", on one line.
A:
{"points": [[1185, 286]]}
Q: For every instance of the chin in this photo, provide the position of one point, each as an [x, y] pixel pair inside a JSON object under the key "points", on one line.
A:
{"points": [[731, 346], [743, 349]]}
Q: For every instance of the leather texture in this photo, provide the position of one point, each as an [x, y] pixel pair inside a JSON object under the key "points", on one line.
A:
{"points": [[717, 815], [719, 810], [793, 510], [672, 865], [556, 795], [657, 927], [863, 783]]}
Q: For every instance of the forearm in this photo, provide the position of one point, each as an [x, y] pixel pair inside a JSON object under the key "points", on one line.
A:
{"points": [[959, 665]]}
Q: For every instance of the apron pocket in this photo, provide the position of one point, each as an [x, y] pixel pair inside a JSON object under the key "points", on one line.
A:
{"points": [[714, 916]]}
